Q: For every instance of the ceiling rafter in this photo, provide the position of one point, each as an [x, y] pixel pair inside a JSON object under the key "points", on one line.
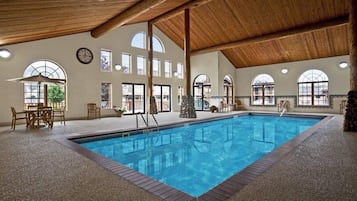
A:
{"points": [[178, 10], [276, 35], [124, 17]]}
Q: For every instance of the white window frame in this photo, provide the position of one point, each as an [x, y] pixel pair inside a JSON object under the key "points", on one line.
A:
{"points": [[141, 71], [126, 66], [168, 69], [154, 72]]}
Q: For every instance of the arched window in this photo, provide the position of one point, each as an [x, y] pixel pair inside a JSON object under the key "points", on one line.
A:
{"points": [[202, 92], [157, 45], [313, 88], [139, 41], [52, 94], [228, 89], [263, 90]]}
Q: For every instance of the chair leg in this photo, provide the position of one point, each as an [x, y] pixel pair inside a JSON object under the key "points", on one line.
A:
{"points": [[13, 122]]}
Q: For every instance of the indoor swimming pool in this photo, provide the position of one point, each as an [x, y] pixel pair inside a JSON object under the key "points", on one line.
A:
{"points": [[195, 158]]}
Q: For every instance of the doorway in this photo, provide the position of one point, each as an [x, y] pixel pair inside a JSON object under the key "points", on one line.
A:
{"points": [[162, 94], [202, 92], [133, 98]]}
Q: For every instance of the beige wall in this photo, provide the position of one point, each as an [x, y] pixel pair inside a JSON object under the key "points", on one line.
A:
{"points": [[84, 81], [286, 84], [215, 65]]}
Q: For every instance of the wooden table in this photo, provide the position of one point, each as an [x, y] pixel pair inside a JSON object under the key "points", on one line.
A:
{"points": [[39, 114]]}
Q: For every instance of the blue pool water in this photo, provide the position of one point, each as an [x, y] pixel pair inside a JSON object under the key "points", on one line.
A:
{"points": [[198, 157]]}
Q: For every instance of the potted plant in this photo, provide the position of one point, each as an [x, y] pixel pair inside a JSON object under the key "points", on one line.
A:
{"points": [[119, 110]]}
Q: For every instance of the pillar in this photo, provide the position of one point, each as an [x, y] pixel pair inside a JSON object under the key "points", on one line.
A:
{"points": [[350, 123]]}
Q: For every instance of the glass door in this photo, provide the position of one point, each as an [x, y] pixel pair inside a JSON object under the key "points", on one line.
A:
{"points": [[133, 98], [162, 94], [197, 94], [202, 97]]}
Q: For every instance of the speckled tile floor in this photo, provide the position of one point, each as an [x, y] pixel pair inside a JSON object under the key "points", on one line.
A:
{"points": [[34, 166]]}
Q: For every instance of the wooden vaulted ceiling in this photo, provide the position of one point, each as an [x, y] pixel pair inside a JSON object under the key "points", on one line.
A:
{"points": [[249, 33]]}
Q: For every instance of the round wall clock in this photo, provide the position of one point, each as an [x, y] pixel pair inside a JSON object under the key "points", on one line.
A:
{"points": [[84, 55]]}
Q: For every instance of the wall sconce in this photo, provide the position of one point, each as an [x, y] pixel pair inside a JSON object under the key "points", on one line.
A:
{"points": [[175, 74], [343, 64], [284, 70], [5, 53], [117, 67]]}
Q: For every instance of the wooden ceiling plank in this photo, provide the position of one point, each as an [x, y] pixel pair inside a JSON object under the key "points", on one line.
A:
{"points": [[273, 36], [124, 17], [178, 10]]}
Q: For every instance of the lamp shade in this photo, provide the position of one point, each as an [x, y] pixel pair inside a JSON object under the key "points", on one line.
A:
{"points": [[5, 53]]}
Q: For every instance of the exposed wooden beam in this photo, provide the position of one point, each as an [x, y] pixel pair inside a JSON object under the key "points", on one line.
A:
{"points": [[277, 35], [187, 52], [124, 17], [178, 10], [353, 46], [150, 58]]}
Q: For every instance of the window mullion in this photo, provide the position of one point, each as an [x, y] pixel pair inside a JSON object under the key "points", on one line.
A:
{"points": [[312, 93], [263, 94]]}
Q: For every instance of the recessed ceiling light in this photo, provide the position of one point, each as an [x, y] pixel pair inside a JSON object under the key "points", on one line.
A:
{"points": [[343, 64], [284, 70], [5, 53]]}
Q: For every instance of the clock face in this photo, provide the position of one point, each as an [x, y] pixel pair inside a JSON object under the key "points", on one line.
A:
{"points": [[84, 55]]}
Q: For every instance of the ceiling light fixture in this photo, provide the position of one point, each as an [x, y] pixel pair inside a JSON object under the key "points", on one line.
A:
{"points": [[5, 53], [343, 64], [284, 70]]}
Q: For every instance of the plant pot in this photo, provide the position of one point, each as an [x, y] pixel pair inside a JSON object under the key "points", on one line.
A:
{"points": [[119, 114]]}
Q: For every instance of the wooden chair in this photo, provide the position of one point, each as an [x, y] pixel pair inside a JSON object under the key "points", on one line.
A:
{"points": [[342, 106], [238, 105], [59, 113], [93, 109], [18, 116], [47, 116]]}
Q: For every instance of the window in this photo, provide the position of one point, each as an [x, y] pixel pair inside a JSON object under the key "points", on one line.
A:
{"points": [[313, 88], [168, 66], [157, 45], [141, 65], [139, 40], [105, 60], [263, 90], [228, 89], [202, 92], [126, 62], [179, 70], [35, 92], [180, 92], [106, 95], [156, 68]]}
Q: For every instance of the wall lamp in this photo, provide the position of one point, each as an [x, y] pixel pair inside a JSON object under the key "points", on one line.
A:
{"points": [[284, 70], [117, 67], [175, 74], [343, 64], [5, 53]]}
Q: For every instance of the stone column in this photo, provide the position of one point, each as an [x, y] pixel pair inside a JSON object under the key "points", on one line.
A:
{"points": [[350, 123]]}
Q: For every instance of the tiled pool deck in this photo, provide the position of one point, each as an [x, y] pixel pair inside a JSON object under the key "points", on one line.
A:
{"points": [[35, 166]]}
